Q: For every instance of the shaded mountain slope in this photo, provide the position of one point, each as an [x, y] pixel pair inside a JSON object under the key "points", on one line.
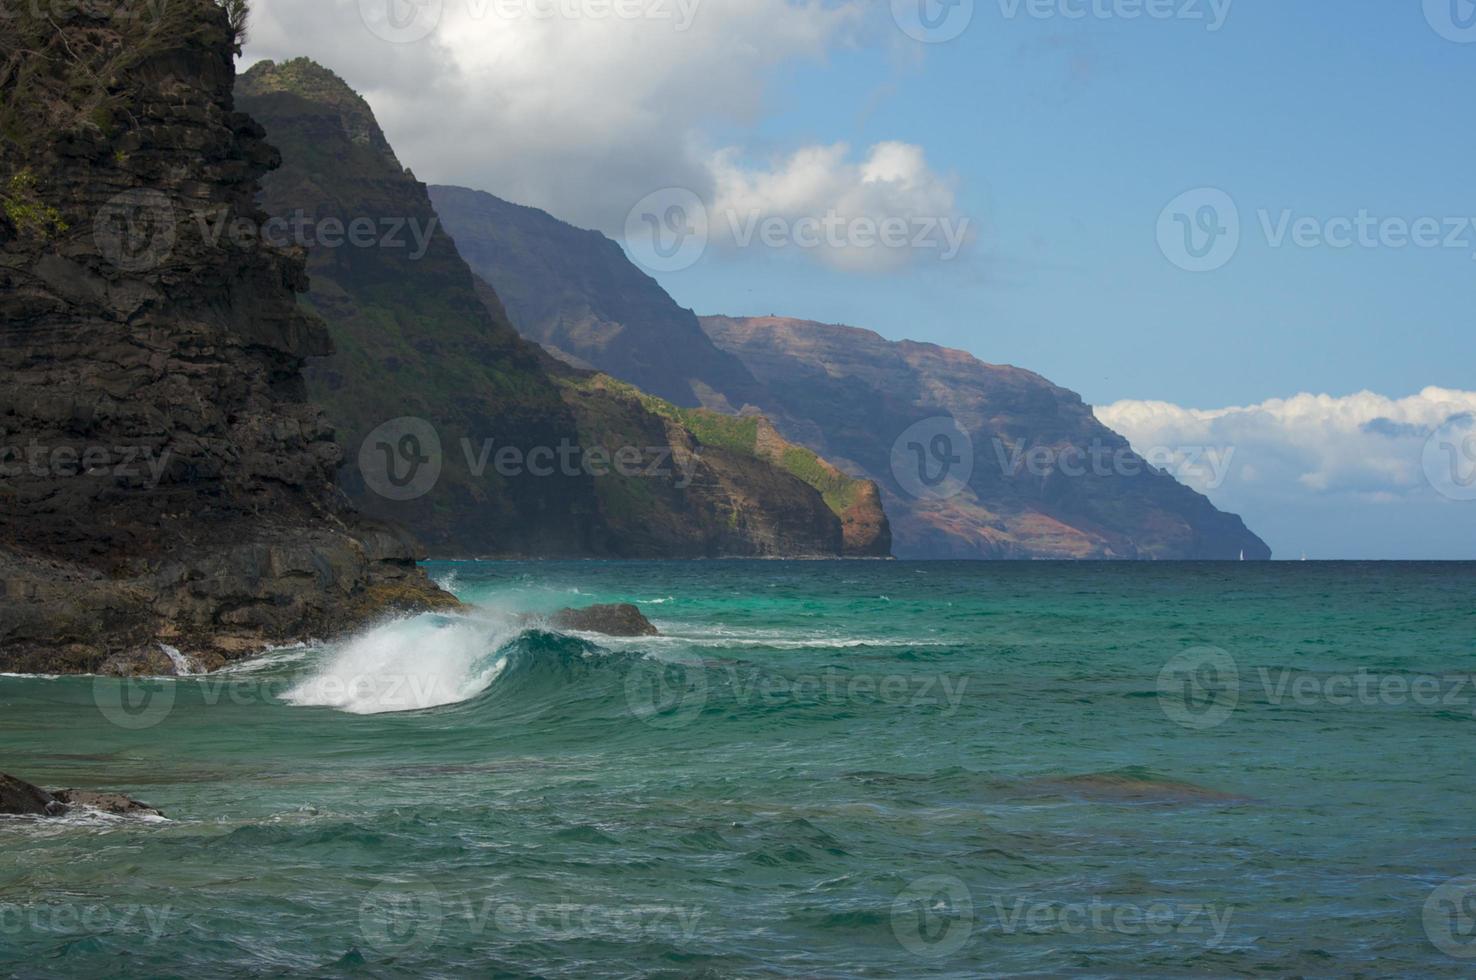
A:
{"points": [[420, 337], [575, 293]]}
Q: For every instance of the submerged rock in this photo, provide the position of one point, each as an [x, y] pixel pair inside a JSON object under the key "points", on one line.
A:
{"points": [[20, 798], [115, 803], [611, 620]]}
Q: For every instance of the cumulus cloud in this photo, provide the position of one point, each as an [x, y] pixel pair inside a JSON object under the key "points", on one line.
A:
{"points": [[585, 107], [1365, 446], [868, 214]]}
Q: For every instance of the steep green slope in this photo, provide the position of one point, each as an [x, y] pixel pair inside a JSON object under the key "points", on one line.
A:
{"points": [[418, 336]]}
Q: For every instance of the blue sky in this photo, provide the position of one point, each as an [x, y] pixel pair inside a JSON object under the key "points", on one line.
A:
{"points": [[1062, 142], [1068, 138]]}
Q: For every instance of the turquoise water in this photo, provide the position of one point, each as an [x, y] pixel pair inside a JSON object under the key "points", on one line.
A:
{"points": [[822, 769]]}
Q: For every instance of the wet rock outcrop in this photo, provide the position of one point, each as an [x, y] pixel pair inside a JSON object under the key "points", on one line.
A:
{"points": [[611, 620], [19, 798]]}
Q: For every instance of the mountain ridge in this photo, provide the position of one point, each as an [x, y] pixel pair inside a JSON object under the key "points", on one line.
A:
{"points": [[421, 336], [874, 390]]}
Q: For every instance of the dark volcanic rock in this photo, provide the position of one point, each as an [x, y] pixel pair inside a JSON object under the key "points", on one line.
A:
{"points": [[613, 620], [20, 798], [162, 476]]}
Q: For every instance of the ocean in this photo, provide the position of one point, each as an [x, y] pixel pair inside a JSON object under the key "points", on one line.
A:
{"points": [[824, 769]]}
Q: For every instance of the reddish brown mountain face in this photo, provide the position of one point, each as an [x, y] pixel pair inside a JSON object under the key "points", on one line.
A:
{"points": [[1047, 479]]}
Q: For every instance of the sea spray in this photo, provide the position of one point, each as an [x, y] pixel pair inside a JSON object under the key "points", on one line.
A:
{"points": [[409, 664]]}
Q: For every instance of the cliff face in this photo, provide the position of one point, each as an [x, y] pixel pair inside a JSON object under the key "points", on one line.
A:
{"points": [[419, 336], [574, 292], [162, 476], [1047, 479], [849, 395]]}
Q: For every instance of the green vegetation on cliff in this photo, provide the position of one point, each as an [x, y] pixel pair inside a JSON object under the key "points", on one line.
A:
{"points": [[419, 336], [748, 435]]}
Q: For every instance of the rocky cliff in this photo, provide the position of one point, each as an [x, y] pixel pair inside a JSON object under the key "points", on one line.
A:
{"points": [[527, 457], [163, 478], [849, 395], [1034, 474]]}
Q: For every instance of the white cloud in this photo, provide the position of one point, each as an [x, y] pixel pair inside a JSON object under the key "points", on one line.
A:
{"points": [[1364, 446], [585, 115], [879, 212]]}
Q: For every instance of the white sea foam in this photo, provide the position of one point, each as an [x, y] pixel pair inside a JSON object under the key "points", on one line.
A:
{"points": [[182, 665], [269, 659], [408, 665]]}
